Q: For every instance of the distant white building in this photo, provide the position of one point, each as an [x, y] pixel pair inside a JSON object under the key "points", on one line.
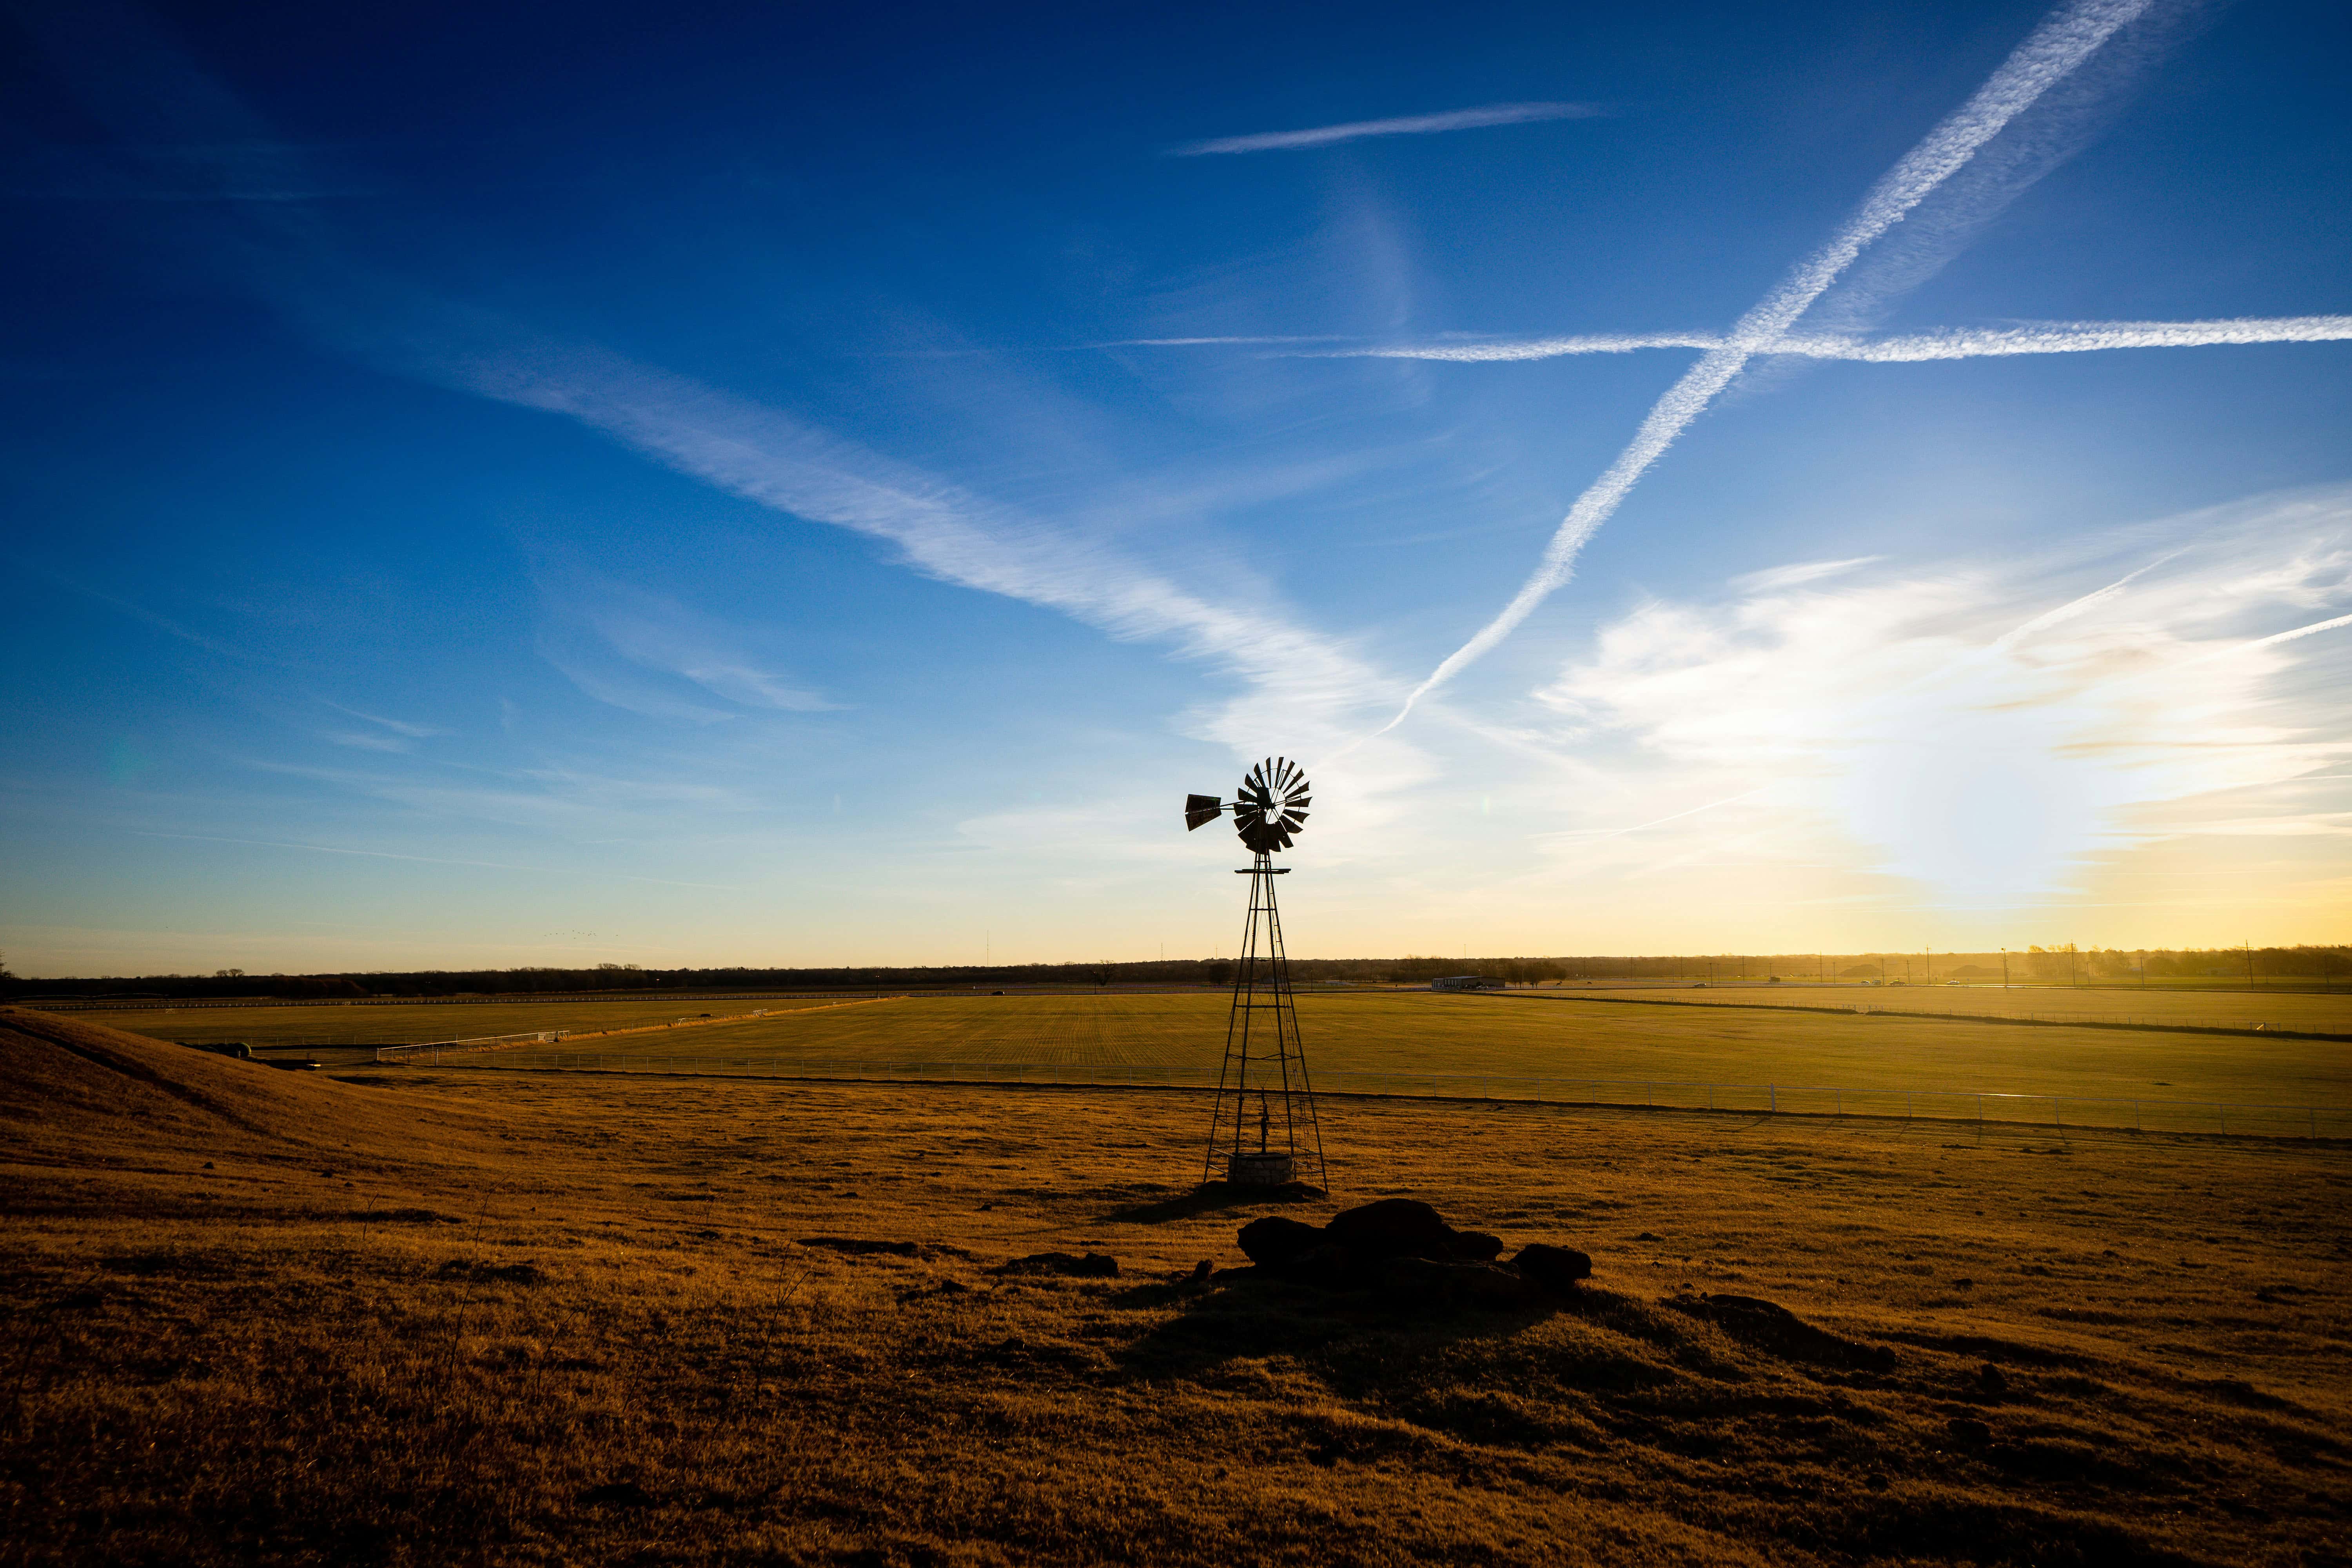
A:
{"points": [[1466, 983]]}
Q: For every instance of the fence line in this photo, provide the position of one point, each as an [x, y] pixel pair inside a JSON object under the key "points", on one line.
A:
{"points": [[2061, 1114], [548, 1036], [2070, 1020], [478, 1043]]}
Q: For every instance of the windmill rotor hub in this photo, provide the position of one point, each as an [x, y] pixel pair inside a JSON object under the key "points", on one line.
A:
{"points": [[1269, 808]]}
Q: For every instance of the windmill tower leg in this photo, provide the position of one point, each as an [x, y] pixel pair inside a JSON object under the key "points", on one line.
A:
{"points": [[1265, 1070]]}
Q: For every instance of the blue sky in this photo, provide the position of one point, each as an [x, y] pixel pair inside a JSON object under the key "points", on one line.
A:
{"points": [[491, 484]]}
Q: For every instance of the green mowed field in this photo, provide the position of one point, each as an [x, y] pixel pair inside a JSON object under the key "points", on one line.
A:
{"points": [[1408, 1040], [394, 1024], [2318, 1012]]}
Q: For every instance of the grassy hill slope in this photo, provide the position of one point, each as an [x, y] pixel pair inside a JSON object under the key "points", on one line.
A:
{"points": [[513, 1319]]}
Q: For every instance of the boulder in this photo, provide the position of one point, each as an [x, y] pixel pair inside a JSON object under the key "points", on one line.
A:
{"points": [[1394, 1227], [1477, 1247], [1093, 1266], [1427, 1285], [1555, 1270], [1275, 1241], [1327, 1265]]}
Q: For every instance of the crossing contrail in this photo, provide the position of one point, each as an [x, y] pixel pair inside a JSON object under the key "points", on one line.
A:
{"points": [[1406, 125], [1943, 342], [2060, 43]]}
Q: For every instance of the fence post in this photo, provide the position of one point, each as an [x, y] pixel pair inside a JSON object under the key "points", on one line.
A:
{"points": [[1771, 1101]]}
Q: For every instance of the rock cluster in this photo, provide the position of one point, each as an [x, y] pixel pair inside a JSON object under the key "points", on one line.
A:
{"points": [[1404, 1248], [1092, 1266]]}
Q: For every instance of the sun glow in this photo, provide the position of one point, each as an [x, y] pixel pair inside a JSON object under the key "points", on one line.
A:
{"points": [[1990, 735]]}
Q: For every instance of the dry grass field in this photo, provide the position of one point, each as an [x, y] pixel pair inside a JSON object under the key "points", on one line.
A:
{"points": [[391, 1023], [420, 1317], [1435, 1042], [2318, 1011]]}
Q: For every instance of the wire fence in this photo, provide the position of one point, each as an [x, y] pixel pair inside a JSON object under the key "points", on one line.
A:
{"points": [[2129, 1020], [435, 1050], [2059, 1114], [2323, 1028]]}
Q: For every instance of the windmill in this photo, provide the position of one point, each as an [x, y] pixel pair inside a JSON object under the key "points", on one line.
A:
{"points": [[1263, 1125]]}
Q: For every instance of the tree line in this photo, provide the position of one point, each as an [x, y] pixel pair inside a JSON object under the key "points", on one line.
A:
{"points": [[2056, 965]]}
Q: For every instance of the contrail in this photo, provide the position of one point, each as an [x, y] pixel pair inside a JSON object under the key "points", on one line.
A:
{"points": [[2060, 43], [2235, 649], [1943, 342], [1677, 816], [1527, 348], [2074, 608], [1192, 342], [1408, 125], [2079, 337]]}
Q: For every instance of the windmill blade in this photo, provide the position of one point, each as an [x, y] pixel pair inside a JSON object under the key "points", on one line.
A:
{"points": [[1302, 803]]}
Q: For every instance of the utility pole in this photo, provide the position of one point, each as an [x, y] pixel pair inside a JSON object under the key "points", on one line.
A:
{"points": [[2250, 964], [2004, 969]]}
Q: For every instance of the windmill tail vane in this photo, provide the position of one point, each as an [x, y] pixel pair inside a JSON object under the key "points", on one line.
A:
{"points": [[1264, 1062]]}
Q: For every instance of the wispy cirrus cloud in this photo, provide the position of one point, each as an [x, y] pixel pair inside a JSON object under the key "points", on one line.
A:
{"points": [[607, 636], [1406, 125], [424, 859], [366, 739], [389, 734], [1298, 684]]}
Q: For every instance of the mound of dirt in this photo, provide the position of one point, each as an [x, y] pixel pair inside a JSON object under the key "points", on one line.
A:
{"points": [[1773, 1328], [80, 1089]]}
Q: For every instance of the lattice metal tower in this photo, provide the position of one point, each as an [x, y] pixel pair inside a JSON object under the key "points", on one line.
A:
{"points": [[1263, 1125]]}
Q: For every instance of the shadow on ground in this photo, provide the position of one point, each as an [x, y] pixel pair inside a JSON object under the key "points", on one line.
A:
{"points": [[1210, 1197]]}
